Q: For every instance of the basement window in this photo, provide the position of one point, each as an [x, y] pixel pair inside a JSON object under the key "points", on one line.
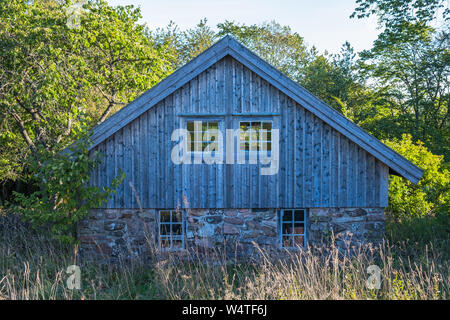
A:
{"points": [[171, 229], [199, 130], [292, 223], [255, 136]]}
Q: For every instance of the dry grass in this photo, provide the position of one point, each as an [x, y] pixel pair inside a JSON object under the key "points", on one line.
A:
{"points": [[33, 267]]}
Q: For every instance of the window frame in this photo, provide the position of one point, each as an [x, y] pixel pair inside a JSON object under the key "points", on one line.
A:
{"points": [[171, 236], [219, 121], [259, 141], [293, 234]]}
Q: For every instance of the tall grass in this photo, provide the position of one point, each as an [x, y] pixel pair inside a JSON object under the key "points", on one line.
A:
{"points": [[33, 267]]}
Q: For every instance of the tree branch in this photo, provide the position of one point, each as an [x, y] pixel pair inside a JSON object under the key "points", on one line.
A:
{"points": [[23, 130]]}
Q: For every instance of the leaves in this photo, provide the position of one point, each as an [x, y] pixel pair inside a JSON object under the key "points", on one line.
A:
{"points": [[54, 77], [65, 196], [431, 194]]}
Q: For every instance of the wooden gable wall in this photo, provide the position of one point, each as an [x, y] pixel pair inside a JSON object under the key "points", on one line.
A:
{"points": [[319, 167]]}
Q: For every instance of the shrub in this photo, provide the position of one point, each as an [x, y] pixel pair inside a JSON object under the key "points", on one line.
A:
{"points": [[64, 196]]}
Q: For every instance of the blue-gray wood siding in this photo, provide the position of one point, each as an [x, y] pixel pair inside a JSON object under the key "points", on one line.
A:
{"points": [[319, 167]]}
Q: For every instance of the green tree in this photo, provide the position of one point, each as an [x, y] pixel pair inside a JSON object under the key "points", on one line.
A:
{"points": [[402, 19], [278, 45], [185, 45], [122, 58], [54, 76], [57, 80], [67, 195], [410, 65], [431, 194]]}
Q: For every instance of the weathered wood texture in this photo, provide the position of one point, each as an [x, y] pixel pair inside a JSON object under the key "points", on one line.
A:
{"points": [[319, 167]]}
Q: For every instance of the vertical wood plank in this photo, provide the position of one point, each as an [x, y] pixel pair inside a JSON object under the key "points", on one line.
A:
{"points": [[334, 198], [119, 203], [343, 171], [317, 162], [370, 165], [361, 177], [308, 160], [384, 185], [326, 177]]}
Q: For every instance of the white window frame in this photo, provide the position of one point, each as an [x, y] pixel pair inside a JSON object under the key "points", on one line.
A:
{"points": [[293, 221], [259, 140], [172, 237], [207, 120]]}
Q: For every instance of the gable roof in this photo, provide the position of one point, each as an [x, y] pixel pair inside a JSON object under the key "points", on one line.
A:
{"points": [[229, 46]]}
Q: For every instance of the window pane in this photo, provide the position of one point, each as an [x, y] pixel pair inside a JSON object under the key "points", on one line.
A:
{"points": [[299, 228], [299, 241], [254, 135], [256, 126], [165, 242], [299, 215], [197, 146], [286, 228], [198, 136], [177, 229], [190, 126], [264, 135], [176, 216], [245, 135], [287, 215], [213, 125], [164, 216], [210, 135], [245, 146], [267, 125], [287, 241], [245, 125], [164, 229]]}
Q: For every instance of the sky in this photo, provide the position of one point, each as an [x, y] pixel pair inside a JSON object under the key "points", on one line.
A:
{"points": [[326, 24]]}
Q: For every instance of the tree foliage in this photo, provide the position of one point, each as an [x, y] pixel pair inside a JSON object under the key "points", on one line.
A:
{"points": [[66, 195], [431, 194], [53, 77], [410, 63]]}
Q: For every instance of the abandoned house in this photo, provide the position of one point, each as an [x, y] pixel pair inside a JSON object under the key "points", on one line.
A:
{"points": [[228, 151]]}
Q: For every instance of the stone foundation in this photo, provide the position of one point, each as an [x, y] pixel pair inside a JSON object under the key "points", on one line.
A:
{"points": [[125, 234], [345, 226], [117, 234]]}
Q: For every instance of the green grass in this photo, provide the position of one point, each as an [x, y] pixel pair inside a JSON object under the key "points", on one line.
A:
{"points": [[414, 265]]}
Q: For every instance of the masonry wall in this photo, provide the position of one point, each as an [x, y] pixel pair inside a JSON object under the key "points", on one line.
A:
{"points": [[124, 234]]}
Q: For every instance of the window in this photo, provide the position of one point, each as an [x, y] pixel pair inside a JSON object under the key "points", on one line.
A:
{"points": [[196, 133], [292, 228], [255, 136], [171, 229]]}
